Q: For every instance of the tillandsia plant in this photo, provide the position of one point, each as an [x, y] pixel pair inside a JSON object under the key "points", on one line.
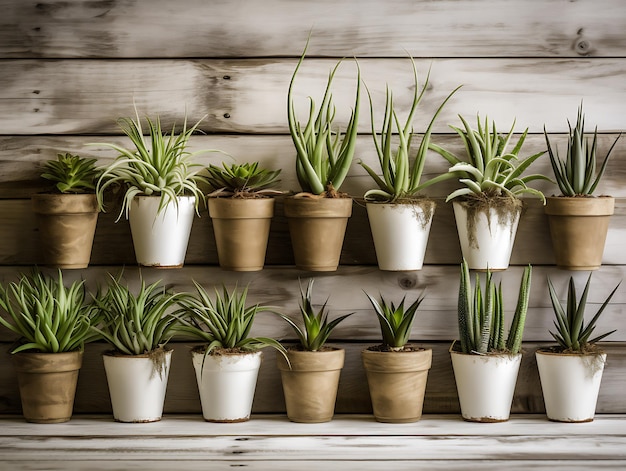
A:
{"points": [[48, 317], [576, 175], [395, 321], [491, 169], [571, 333], [401, 179], [324, 153], [71, 173], [481, 315], [316, 328], [246, 180]]}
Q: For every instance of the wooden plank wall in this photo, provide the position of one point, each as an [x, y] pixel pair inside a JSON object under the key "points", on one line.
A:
{"points": [[69, 69]]}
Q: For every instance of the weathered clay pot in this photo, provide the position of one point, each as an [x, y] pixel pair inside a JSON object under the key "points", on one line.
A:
{"points": [[397, 383], [310, 385], [241, 227], [578, 228], [47, 383], [67, 224], [317, 227]]}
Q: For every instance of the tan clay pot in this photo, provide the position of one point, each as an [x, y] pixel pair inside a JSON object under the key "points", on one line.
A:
{"points": [[67, 224], [397, 383], [47, 384], [241, 228], [317, 227], [310, 385], [578, 227]]}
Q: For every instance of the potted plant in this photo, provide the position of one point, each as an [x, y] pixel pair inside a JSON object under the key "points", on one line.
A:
{"points": [[578, 221], [571, 372], [227, 365], [241, 208], [399, 217], [396, 370], [488, 208], [160, 186], [317, 216], [53, 323], [486, 360], [138, 327], [67, 214], [310, 371]]}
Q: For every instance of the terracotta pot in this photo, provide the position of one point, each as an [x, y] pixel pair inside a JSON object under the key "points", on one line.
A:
{"points": [[137, 385], [67, 224], [400, 232], [578, 228], [570, 384], [310, 385], [160, 238], [47, 383], [317, 227], [397, 383], [241, 228]]}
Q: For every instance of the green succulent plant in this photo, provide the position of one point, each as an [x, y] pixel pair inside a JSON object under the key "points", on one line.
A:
{"points": [[571, 333], [481, 315], [49, 317], [241, 180], [576, 175], [316, 328], [71, 173], [324, 153]]}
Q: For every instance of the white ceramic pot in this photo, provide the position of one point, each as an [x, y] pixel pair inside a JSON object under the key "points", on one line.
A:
{"points": [[487, 240], [160, 238], [136, 386], [485, 384], [570, 384], [400, 233], [226, 384]]}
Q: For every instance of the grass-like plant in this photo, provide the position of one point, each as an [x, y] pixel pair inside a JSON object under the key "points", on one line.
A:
{"points": [[48, 317], [401, 178], [395, 322], [324, 153], [490, 169], [71, 173], [576, 175], [571, 333], [481, 315], [316, 328], [246, 180]]}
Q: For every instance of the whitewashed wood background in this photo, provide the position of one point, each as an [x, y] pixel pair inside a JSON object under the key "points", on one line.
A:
{"points": [[69, 69]]}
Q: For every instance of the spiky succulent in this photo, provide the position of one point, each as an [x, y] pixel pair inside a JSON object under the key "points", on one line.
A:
{"points": [[241, 180], [71, 173], [395, 322]]}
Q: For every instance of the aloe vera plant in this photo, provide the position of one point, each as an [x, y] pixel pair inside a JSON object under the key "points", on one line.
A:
{"points": [[316, 328], [576, 175], [71, 173], [241, 180], [572, 334], [481, 314]]}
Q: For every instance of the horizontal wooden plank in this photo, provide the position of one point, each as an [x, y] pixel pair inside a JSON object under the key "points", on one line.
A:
{"points": [[77, 28], [249, 96]]}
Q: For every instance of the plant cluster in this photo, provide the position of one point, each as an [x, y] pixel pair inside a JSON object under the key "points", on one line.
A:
{"points": [[241, 180], [395, 322], [71, 173]]}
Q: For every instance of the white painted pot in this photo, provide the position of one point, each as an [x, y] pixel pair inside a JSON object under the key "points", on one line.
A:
{"points": [[226, 384], [160, 238], [487, 242], [136, 386], [485, 384], [570, 384], [400, 233]]}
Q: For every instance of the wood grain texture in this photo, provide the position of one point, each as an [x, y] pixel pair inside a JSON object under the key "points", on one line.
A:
{"points": [[79, 28]]}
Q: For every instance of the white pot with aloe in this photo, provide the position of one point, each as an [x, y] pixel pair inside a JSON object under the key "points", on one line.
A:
{"points": [[161, 194], [485, 360], [227, 365], [488, 208], [571, 372], [399, 216], [137, 326]]}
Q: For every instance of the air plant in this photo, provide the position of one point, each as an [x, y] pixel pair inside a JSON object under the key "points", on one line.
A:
{"points": [[71, 173], [241, 180]]}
